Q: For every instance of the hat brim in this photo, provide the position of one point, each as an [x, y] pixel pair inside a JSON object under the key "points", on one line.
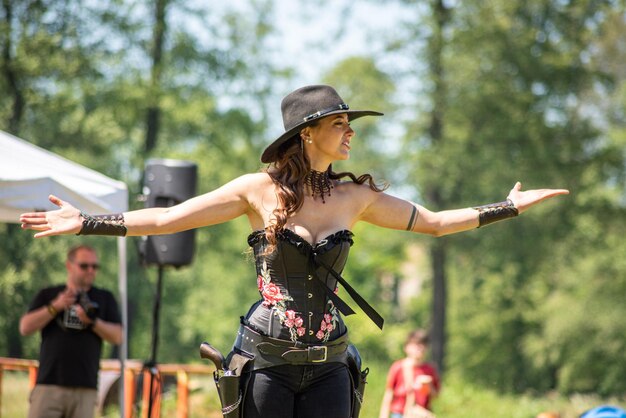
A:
{"points": [[271, 152]]}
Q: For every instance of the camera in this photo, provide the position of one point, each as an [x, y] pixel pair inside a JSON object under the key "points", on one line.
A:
{"points": [[90, 307]]}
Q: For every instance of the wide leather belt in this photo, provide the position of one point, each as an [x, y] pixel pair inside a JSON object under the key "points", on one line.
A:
{"points": [[312, 354], [269, 351]]}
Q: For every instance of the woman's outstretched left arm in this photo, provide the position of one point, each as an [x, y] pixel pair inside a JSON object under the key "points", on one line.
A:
{"points": [[391, 212]]}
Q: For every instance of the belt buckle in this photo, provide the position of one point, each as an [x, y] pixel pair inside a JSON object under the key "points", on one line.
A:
{"points": [[317, 348]]}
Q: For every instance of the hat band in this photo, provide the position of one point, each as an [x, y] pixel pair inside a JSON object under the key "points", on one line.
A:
{"points": [[341, 106]]}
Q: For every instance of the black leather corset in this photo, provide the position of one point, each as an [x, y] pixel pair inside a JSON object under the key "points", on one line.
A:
{"points": [[298, 290]]}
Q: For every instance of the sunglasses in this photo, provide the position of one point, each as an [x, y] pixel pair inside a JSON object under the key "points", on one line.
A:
{"points": [[85, 266]]}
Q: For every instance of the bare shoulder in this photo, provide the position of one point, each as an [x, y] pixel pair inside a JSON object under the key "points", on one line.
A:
{"points": [[355, 197], [251, 181], [359, 192], [258, 186], [378, 207], [254, 178], [245, 188]]}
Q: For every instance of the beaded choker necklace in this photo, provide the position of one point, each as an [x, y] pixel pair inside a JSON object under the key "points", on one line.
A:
{"points": [[319, 182]]}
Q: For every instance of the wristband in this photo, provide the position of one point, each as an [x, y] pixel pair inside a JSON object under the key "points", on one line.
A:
{"points": [[112, 225], [494, 212], [52, 310]]}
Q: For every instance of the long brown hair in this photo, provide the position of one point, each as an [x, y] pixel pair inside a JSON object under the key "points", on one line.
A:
{"points": [[288, 173]]}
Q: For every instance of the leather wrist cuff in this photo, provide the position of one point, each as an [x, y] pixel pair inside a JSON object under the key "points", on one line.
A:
{"points": [[112, 225], [494, 212]]}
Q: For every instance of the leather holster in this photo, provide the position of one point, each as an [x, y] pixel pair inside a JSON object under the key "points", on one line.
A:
{"points": [[231, 385], [359, 379]]}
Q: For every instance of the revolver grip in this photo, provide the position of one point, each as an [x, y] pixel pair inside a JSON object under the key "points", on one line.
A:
{"points": [[207, 351]]}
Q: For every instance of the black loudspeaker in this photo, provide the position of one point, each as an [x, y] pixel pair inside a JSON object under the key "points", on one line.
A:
{"points": [[168, 183]]}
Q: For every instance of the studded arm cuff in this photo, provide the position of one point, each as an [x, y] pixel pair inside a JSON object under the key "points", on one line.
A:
{"points": [[494, 212], [112, 225]]}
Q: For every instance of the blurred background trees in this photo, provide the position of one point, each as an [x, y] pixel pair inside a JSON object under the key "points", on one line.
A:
{"points": [[477, 95]]}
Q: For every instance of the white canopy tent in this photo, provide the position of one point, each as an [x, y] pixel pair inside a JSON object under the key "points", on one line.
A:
{"points": [[28, 174]]}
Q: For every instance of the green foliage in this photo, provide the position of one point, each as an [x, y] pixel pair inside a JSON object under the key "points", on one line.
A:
{"points": [[535, 92], [365, 86], [92, 111], [518, 77], [583, 313], [42, 265], [379, 258]]}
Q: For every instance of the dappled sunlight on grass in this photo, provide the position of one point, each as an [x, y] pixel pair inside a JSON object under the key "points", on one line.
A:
{"points": [[14, 394], [458, 399], [462, 400]]}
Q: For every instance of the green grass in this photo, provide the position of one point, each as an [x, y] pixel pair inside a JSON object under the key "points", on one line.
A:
{"points": [[14, 394], [457, 400], [462, 400], [202, 398]]}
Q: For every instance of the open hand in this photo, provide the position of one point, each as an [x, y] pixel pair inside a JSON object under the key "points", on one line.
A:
{"points": [[525, 199], [65, 220]]}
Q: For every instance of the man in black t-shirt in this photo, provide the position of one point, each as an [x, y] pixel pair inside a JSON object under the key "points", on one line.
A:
{"points": [[73, 319]]}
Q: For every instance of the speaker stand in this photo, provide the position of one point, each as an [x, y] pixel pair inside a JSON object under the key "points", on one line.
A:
{"points": [[151, 364]]}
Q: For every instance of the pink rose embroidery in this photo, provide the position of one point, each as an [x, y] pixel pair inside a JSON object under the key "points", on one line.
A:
{"points": [[291, 320], [273, 297], [328, 324], [271, 294]]}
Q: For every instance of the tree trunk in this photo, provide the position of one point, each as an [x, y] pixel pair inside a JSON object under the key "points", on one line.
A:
{"points": [[153, 116], [15, 253], [438, 332], [153, 112], [438, 249], [8, 72], [14, 340]]}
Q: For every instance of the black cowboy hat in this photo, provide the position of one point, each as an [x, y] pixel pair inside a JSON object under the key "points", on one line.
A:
{"points": [[304, 106]]}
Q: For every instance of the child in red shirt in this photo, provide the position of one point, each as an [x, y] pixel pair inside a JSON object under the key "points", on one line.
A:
{"points": [[423, 379]]}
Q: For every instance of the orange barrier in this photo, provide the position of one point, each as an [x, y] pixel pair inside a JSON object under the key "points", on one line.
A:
{"points": [[132, 369]]}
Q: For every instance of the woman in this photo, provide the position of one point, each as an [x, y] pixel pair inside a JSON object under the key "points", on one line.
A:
{"points": [[410, 380], [301, 214]]}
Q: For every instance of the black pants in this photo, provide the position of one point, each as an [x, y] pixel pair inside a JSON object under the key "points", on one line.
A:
{"points": [[290, 391]]}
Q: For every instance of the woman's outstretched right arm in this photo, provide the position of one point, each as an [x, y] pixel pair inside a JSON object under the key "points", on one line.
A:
{"points": [[225, 203]]}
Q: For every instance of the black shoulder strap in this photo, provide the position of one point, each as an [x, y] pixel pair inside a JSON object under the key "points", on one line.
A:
{"points": [[341, 305]]}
